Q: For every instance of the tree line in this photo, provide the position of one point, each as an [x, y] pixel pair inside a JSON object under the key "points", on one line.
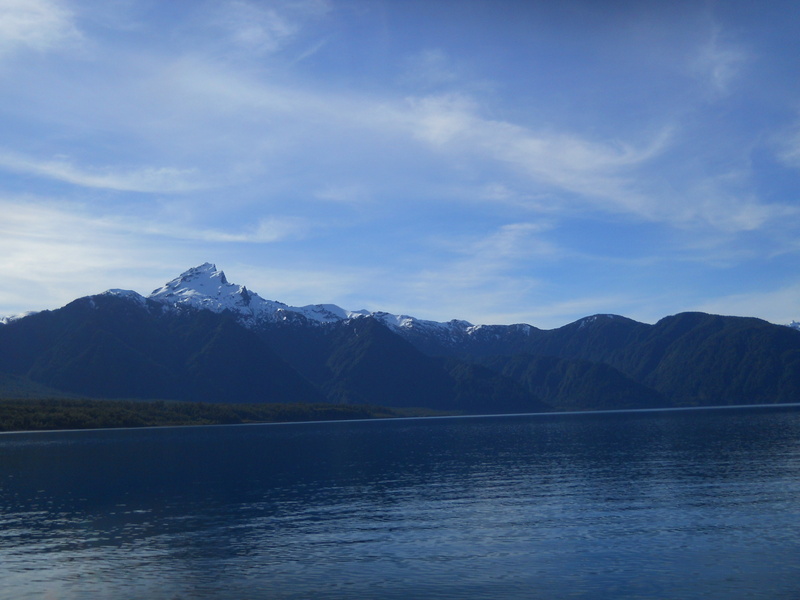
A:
{"points": [[60, 413]]}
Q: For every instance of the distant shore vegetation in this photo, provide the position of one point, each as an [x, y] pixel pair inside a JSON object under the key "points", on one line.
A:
{"points": [[60, 414]]}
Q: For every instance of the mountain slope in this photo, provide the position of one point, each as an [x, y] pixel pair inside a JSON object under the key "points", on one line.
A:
{"points": [[113, 347], [577, 384], [201, 337], [367, 356], [689, 358], [708, 359]]}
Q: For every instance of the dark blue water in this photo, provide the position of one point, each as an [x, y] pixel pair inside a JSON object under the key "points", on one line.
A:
{"points": [[688, 504]]}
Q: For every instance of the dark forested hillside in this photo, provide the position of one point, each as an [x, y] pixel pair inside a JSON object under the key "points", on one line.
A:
{"points": [[685, 359], [114, 346], [109, 347], [363, 361], [577, 384]]}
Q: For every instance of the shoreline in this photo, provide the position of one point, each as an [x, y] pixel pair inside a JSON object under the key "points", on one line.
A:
{"points": [[45, 415]]}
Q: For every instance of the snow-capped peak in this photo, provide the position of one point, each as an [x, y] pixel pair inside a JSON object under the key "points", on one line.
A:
{"points": [[202, 281], [205, 287], [794, 325]]}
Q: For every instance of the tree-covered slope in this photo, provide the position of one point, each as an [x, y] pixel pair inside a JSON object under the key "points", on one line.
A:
{"points": [[120, 345], [362, 361], [574, 384], [707, 359], [689, 358], [110, 347]]}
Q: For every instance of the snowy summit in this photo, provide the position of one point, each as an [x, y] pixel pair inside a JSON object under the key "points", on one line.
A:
{"points": [[206, 288]]}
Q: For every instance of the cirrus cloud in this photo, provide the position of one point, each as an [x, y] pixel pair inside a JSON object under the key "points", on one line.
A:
{"points": [[39, 25]]}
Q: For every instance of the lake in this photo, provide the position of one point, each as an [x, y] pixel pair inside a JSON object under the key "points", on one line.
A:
{"points": [[664, 504]]}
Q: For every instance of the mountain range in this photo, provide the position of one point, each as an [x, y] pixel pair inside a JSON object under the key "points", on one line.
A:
{"points": [[201, 338]]}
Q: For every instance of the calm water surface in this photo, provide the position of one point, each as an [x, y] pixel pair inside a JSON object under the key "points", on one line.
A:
{"points": [[681, 504]]}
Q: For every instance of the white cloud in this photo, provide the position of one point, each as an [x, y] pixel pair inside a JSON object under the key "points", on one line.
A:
{"points": [[231, 125], [304, 284], [39, 25], [353, 194], [780, 306], [611, 175], [496, 252], [65, 251], [64, 223], [442, 119], [512, 242], [148, 179], [255, 27], [788, 146], [429, 68], [267, 230], [265, 27], [726, 202], [310, 51], [740, 214], [718, 63], [480, 281], [50, 253], [600, 171]]}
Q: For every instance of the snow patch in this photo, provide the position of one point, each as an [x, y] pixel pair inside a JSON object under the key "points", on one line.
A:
{"points": [[12, 318], [126, 294], [587, 320]]}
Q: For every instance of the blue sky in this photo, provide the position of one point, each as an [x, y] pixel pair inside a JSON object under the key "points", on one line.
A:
{"points": [[499, 162]]}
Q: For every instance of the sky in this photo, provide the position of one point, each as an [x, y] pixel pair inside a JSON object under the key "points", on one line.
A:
{"points": [[495, 161]]}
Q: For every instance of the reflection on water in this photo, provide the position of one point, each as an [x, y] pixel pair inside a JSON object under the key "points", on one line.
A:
{"points": [[695, 504]]}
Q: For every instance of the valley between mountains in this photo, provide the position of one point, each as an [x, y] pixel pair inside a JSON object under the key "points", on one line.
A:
{"points": [[202, 338]]}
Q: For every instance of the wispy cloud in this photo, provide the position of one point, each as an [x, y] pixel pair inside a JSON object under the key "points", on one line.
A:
{"points": [[264, 27], [611, 175], [230, 124], [39, 25], [267, 230], [56, 250], [788, 146], [60, 247], [555, 157], [471, 277], [719, 63], [45, 220], [512, 242], [255, 27], [50, 252], [728, 204], [599, 170], [308, 283], [148, 179], [412, 169], [353, 194], [430, 68], [781, 305]]}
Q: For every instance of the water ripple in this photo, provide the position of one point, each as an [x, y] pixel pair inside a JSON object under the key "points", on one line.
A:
{"points": [[690, 506]]}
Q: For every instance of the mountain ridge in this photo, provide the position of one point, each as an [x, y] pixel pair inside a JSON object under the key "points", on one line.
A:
{"points": [[205, 287], [201, 337]]}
